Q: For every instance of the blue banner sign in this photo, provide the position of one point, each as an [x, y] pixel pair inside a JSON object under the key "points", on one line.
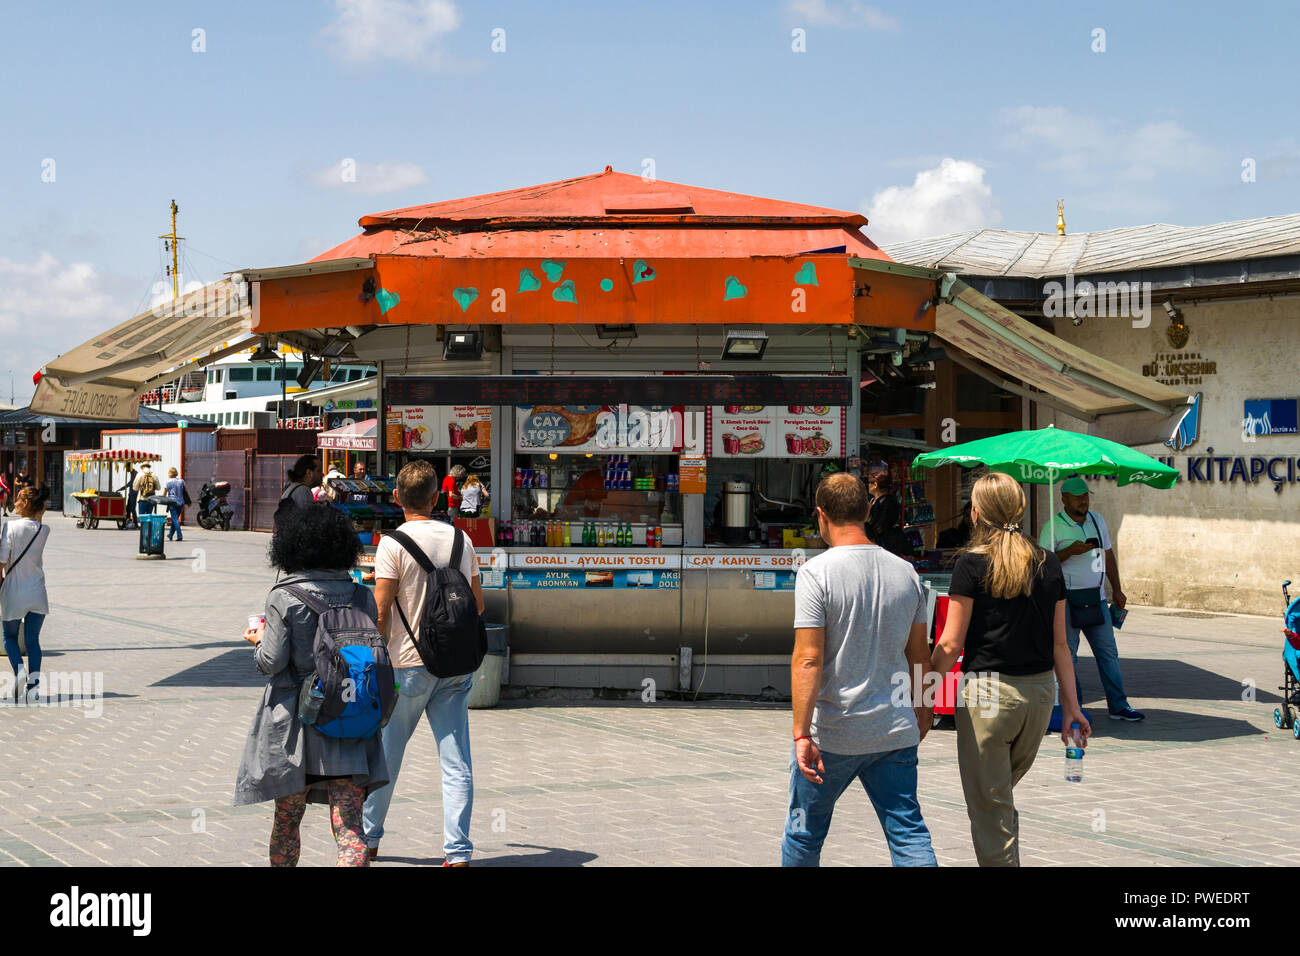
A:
{"points": [[573, 580], [1271, 416]]}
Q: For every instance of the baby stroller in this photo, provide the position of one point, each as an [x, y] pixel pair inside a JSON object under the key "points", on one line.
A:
{"points": [[1285, 716]]}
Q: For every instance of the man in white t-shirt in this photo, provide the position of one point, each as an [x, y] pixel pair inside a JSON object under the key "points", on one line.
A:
{"points": [[400, 583], [1082, 543]]}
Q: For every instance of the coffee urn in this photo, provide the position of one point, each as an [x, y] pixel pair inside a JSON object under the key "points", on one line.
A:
{"points": [[737, 505]]}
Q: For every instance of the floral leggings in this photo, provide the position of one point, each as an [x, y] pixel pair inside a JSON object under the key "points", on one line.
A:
{"points": [[345, 800]]}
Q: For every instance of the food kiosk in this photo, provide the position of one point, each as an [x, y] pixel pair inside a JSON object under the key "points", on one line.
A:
{"points": [[100, 504]]}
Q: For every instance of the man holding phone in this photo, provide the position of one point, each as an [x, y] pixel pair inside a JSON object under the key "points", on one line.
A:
{"points": [[1083, 546]]}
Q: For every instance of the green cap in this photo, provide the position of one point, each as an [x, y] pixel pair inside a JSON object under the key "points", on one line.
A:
{"points": [[1074, 486]]}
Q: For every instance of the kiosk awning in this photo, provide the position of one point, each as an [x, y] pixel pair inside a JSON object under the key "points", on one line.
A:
{"points": [[101, 379]]}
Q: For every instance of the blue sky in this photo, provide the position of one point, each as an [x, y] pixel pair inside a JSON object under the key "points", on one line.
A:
{"points": [[929, 118]]}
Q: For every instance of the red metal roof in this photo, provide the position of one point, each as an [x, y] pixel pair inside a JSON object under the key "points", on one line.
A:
{"points": [[609, 214]]}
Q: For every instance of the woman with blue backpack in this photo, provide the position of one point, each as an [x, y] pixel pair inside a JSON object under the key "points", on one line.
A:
{"points": [[330, 688]]}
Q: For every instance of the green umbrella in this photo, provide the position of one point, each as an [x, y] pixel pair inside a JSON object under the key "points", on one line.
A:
{"points": [[1048, 455]]}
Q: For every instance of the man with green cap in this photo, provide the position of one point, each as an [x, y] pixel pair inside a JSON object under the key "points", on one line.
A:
{"points": [[1082, 543]]}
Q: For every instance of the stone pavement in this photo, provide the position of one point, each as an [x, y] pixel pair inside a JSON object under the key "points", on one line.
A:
{"points": [[147, 780]]}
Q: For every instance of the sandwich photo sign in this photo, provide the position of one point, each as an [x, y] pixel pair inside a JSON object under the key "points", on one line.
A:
{"points": [[775, 431]]}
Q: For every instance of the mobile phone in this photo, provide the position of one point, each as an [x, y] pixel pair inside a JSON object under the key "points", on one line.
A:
{"points": [[1092, 542]]}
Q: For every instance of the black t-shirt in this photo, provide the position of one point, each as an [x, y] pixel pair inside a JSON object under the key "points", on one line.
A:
{"points": [[1010, 635]]}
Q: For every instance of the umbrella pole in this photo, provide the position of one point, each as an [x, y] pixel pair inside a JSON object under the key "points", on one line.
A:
{"points": [[1051, 515]]}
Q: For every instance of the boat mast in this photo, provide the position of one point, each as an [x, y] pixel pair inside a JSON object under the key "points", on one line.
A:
{"points": [[171, 243]]}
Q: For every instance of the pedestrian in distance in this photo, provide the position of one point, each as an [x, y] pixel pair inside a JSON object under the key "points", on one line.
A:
{"points": [[4, 495], [1006, 612], [885, 516], [860, 626], [303, 477], [145, 485], [23, 601], [403, 583], [285, 759], [359, 471], [132, 496], [1083, 547], [180, 497]]}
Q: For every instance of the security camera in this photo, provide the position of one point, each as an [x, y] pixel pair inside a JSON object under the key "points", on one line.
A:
{"points": [[1076, 320]]}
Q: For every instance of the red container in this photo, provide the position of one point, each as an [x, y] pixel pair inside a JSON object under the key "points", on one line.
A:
{"points": [[731, 443], [945, 696], [794, 409], [793, 444], [731, 409]]}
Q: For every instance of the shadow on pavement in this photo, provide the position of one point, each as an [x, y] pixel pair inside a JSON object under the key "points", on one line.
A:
{"points": [[1171, 725], [235, 668], [550, 856], [1177, 680]]}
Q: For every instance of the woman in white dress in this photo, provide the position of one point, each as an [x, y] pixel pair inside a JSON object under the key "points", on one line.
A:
{"points": [[22, 587]]}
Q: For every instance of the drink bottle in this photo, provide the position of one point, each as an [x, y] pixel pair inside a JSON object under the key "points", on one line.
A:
{"points": [[1074, 756]]}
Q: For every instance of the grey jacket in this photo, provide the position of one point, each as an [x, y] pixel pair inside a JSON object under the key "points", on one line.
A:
{"points": [[280, 750]]}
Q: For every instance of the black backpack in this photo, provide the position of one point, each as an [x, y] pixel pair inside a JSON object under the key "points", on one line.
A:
{"points": [[451, 640]]}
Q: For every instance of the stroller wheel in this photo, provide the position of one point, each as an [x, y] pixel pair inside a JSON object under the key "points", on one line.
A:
{"points": [[1295, 729], [1278, 719]]}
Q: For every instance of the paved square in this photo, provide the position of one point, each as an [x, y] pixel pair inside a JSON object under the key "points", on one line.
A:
{"points": [[1205, 780]]}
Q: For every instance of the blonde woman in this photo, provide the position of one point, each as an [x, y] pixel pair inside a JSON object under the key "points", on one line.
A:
{"points": [[1007, 613], [472, 495], [23, 601]]}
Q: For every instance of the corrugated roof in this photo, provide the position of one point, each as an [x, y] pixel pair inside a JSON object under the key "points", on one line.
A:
{"points": [[608, 214], [1001, 252]]}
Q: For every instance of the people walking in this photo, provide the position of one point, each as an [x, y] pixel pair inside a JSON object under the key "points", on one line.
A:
{"points": [[1083, 547], [180, 497], [284, 759], [23, 601], [132, 496], [860, 620], [4, 495], [472, 495], [145, 486], [1006, 612], [401, 584]]}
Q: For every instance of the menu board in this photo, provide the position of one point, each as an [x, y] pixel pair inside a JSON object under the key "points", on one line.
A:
{"points": [[775, 431], [444, 427], [646, 429]]}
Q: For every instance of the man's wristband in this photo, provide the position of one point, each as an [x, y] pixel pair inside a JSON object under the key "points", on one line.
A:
{"points": [[804, 737]]}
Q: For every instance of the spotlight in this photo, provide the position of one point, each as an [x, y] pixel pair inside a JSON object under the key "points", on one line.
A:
{"points": [[616, 332], [748, 344], [463, 346]]}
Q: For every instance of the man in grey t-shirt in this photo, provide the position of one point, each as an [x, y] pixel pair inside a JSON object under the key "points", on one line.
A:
{"points": [[860, 630]]}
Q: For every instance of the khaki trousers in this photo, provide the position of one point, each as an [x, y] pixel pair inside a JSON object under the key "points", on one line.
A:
{"points": [[1001, 720]]}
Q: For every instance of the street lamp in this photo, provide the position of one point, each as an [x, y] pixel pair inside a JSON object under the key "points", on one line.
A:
{"points": [[265, 353]]}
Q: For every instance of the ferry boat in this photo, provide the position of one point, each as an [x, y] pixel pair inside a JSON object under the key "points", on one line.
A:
{"points": [[234, 392]]}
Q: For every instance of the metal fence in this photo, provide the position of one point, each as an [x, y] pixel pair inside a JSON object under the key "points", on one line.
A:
{"points": [[268, 484], [231, 466]]}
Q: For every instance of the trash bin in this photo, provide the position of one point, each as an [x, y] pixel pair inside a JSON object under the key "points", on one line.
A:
{"points": [[151, 535], [486, 691]]}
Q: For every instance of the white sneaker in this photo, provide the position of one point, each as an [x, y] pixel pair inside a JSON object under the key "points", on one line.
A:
{"points": [[20, 683], [33, 692]]}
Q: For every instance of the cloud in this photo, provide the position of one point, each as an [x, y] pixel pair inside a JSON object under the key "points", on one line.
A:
{"points": [[50, 307], [951, 197], [847, 14], [406, 30], [1096, 149], [368, 177]]}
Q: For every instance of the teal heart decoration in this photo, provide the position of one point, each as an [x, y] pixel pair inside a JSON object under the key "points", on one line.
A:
{"points": [[386, 300], [528, 281], [734, 290], [565, 292], [807, 275], [464, 296], [553, 269], [641, 272]]}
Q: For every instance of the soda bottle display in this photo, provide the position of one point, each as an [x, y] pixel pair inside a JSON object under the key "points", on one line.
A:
{"points": [[567, 537], [1074, 756]]}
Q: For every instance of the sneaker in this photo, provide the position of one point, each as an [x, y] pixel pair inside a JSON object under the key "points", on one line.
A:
{"points": [[374, 853], [33, 692], [1128, 713], [461, 863], [20, 681]]}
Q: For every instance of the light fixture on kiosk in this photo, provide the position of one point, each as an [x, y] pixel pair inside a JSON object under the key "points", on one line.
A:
{"points": [[744, 344], [607, 332], [462, 346]]}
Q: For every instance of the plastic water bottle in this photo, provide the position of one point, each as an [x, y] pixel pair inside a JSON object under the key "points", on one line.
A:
{"points": [[1074, 757]]}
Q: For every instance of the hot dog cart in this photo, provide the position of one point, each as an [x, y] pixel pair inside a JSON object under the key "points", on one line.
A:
{"points": [[100, 504]]}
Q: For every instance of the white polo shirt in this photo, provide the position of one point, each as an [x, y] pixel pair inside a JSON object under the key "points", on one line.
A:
{"points": [[1083, 570]]}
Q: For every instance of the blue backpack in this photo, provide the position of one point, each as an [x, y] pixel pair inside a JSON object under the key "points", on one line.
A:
{"points": [[351, 694]]}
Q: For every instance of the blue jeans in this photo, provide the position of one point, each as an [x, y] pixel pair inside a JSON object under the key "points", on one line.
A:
{"points": [[31, 637], [890, 781], [146, 506], [173, 522], [1101, 638], [444, 701]]}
